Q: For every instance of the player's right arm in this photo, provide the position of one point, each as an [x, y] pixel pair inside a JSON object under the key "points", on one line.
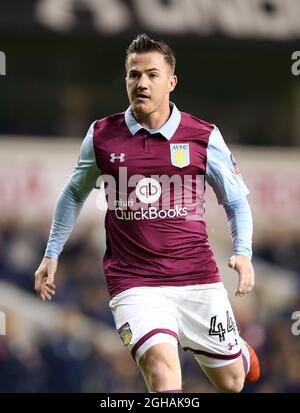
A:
{"points": [[69, 204]]}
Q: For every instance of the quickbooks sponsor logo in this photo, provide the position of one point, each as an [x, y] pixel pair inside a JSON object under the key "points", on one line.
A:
{"points": [[130, 197], [150, 213], [148, 190]]}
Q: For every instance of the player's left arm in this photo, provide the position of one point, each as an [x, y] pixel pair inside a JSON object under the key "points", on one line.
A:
{"points": [[241, 228], [223, 174]]}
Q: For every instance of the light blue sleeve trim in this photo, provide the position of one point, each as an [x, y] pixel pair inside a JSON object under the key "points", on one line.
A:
{"points": [[73, 195], [241, 226], [221, 174]]}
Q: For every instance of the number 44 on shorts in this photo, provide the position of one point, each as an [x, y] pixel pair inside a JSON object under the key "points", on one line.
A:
{"points": [[217, 329]]}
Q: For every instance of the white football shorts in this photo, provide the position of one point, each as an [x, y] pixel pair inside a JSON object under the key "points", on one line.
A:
{"points": [[197, 317]]}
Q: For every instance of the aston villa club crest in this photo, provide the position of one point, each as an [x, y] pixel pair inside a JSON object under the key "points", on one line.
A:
{"points": [[125, 333], [180, 154]]}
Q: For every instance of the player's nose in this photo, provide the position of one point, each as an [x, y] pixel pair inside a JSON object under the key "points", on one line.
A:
{"points": [[143, 82]]}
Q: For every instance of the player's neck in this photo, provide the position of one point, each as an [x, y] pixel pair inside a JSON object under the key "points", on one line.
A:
{"points": [[154, 120]]}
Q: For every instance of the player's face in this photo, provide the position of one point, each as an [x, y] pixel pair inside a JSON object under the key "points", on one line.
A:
{"points": [[149, 82]]}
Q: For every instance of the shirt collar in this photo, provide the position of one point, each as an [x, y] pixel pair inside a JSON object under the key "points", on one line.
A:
{"points": [[167, 130]]}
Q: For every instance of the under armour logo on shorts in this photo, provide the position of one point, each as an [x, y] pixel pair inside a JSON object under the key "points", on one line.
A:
{"points": [[231, 345]]}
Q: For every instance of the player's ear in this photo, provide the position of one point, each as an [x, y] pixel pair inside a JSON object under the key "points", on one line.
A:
{"points": [[172, 83]]}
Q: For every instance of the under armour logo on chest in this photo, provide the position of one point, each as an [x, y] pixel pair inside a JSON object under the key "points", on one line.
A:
{"points": [[121, 157]]}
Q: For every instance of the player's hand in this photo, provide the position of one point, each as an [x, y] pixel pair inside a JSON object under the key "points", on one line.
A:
{"points": [[243, 266], [44, 278]]}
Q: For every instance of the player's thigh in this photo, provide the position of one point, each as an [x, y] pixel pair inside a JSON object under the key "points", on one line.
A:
{"points": [[228, 378], [161, 369], [144, 317]]}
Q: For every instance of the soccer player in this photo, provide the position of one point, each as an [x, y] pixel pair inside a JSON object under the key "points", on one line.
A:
{"points": [[162, 277]]}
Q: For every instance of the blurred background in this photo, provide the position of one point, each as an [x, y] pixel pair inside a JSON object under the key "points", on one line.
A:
{"points": [[64, 69]]}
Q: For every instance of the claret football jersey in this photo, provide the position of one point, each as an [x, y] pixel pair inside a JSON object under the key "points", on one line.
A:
{"points": [[154, 182]]}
